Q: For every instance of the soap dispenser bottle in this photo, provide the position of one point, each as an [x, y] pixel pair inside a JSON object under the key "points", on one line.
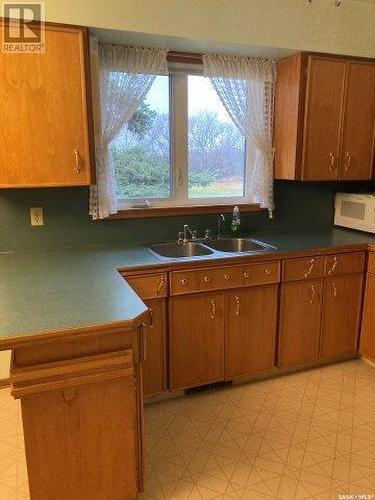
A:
{"points": [[236, 222]]}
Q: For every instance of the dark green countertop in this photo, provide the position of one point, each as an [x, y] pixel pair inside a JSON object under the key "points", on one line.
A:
{"points": [[66, 289]]}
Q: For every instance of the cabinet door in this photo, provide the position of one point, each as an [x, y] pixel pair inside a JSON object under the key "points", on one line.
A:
{"points": [[44, 138], [250, 330], [367, 347], [154, 368], [324, 98], [196, 339], [300, 320], [358, 124], [341, 314]]}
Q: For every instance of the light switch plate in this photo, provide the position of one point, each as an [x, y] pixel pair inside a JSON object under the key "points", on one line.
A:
{"points": [[36, 216]]}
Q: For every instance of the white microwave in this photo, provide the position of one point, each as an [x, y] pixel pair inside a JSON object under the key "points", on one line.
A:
{"points": [[356, 211]]}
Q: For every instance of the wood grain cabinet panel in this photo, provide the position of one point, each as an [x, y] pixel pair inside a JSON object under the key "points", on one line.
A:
{"points": [[324, 118], [44, 130], [300, 320], [251, 321], [358, 123], [149, 286], [345, 263], [154, 367], [304, 268], [196, 339], [341, 315], [321, 142], [367, 346]]}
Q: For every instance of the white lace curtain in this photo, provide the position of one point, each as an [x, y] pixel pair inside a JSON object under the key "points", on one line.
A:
{"points": [[245, 86], [121, 78]]}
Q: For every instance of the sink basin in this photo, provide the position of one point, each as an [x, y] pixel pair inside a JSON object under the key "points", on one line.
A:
{"points": [[238, 245], [178, 251]]}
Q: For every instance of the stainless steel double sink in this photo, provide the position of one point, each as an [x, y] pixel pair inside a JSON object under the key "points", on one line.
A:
{"points": [[202, 248]]}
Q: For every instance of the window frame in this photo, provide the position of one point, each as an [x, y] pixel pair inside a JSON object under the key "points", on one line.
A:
{"points": [[179, 159]]}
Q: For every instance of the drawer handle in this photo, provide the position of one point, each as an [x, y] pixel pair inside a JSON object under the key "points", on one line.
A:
{"points": [[268, 271], [213, 309], [206, 279], [226, 277], [184, 282], [246, 274], [334, 292], [78, 162], [309, 270], [160, 285], [312, 294], [335, 261], [238, 305]]}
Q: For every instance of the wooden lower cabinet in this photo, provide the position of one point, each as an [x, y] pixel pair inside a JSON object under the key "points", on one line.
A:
{"points": [[341, 315], [300, 319], [196, 339], [154, 367], [367, 347], [251, 323]]}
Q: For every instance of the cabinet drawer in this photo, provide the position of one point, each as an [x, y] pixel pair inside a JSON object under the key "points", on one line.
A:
{"points": [[347, 263], [200, 280], [371, 263], [149, 286], [303, 268], [261, 274]]}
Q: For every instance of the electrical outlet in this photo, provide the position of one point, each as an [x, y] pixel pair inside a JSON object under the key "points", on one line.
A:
{"points": [[36, 216]]}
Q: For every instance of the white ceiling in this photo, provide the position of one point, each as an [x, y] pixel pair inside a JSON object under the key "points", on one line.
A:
{"points": [[178, 44]]}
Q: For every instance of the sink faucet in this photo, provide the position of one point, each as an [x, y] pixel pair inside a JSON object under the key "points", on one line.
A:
{"points": [[220, 222], [183, 236]]}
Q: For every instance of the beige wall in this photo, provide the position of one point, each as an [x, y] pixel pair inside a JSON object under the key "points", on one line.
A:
{"points": [[291, 24], [4, 366]]}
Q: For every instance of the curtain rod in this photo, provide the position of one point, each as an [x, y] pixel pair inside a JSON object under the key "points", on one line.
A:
{"points": [[184, 57]]}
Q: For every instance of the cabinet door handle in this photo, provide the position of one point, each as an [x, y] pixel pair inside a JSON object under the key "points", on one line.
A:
{"points": [[312, 294], [213, 309], [334, 291], [161, 284], [331, 161], [335, 262], [238, 305], [78, 162], [348, 161], [309, 270]]}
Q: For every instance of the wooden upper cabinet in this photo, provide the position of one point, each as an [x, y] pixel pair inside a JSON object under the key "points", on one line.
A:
{"points": [[321, 139], [358, 123], [44, 128], [324, 118]]}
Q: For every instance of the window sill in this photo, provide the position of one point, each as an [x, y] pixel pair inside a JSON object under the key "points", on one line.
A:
{"points": [[144, 213]]}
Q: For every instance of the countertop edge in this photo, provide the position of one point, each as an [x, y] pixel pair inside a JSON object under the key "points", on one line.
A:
{"points": [[73, 333]]}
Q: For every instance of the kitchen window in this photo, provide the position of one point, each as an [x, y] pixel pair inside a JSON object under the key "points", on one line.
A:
{"points": [[180, 148], [179, 133]]}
